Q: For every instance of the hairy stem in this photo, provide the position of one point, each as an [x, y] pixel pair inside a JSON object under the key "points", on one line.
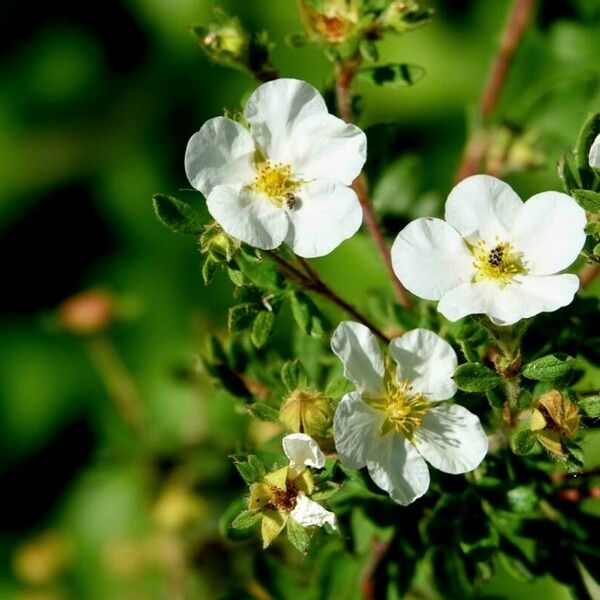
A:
{"points": [[311, 281], [515, 28], [345, 74]]}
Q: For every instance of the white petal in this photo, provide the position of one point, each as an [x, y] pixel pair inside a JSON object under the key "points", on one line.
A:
{"points": [[525, 298], [594, 156], [303, 451], [451, 439], [221, 153], [356, 431], [427, 361], [430, 258], [549, 231], [399, 470], [355, 345], [275, 109], [325, 214], [325, 147], [309, 513], [482, 207], [248, 216]]}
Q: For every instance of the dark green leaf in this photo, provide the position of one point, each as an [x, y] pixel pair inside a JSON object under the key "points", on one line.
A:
{"points": [[293, 375], [262, 328], [307, 315], [475, 377], [241, 316], [522, 441], [549, 367], [393, 74], [590, 406], [177, 215], [589, 201]]}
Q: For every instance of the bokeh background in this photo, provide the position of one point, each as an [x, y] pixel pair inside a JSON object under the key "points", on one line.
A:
{"points": [[97, 102]]}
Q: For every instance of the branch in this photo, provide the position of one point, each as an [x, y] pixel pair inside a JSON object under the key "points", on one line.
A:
{"points": [[345, 74], [311, 281], [588, 274], [515, 28]]}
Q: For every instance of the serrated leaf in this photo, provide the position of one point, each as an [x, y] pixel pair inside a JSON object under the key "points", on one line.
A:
{"points": [[590, 406], [260, 272], [251, 470], [589, 201], [293, 375], [241, 316], [262, 328], [307, 315], [298, 536], [549, 367], [246, 519], [177, 215], [475, 377], [392, 74]]}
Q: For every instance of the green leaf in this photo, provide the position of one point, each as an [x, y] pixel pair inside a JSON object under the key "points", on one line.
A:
{"points": [[298, 536], [264, 412], [593, 229], [251, 470], [587, 134], [369, 51], [496, 396], [260, 272], [549, 367], [589, 201], [523, 441], [590, 406], [392, 74], [522, 499], [475, 377], [293, 375], [246, 519], [241, 316], [177, 215], [209, 268], [524, 399], [228, 517], [262, 328], [325, 491], [307, 315], [566, 175]]}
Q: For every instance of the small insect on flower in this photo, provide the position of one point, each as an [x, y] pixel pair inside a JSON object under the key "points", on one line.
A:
{"points": [[253, 178], [493, 254]]}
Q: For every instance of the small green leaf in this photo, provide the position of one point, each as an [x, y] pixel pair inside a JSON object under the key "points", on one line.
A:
{"points": [[475, 377], [522, 441], [593, 229], [549, 367], [246, 519], [298, 536], [264, 412], [293, 375], [587, 134], [307, 315], [392, 74], [228, 517], [241, 316], [260, 271], [590, 406], [524, 399], [177, 215], [566, 175], [251, 470], [369, 51], [262, 328], [209, 268], [589, 201]]}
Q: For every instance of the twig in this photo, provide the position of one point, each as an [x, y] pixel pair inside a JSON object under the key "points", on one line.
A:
{"points": [[312, 282], [345, 74], [367, 579], [515, 27]]}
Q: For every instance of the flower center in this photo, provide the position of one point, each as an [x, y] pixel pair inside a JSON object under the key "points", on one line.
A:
{"points": [[283, 500], [499, 263], [275, 181], [403, 408]]}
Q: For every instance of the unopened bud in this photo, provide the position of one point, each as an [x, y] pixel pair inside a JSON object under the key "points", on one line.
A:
{"points": [[308, 412], [224, 40], [217, 245], [332, 21], [87, 313]]}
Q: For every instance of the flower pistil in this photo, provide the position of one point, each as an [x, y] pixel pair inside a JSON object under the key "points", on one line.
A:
{"points": [[500, 263]]}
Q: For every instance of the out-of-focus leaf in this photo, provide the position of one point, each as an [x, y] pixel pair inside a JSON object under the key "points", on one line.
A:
{"points": [[177, 215], [392, 74]]}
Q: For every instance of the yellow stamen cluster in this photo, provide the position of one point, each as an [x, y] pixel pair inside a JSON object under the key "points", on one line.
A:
{"points": [[274, 180], [499, 263], [404, 408]]}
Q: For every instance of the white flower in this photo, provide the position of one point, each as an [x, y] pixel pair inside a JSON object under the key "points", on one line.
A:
{"points": [[287, 178], [493, 254], [594, 156], [309, 513], [394, 421], [303, 451]]}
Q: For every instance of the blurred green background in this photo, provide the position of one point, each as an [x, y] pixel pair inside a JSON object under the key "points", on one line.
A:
{"points": [[97, 102]]}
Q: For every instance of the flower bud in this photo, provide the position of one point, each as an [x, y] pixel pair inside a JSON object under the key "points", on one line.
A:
{"points": [[224, 40], [404, 15], [307, 412], [553, 419], [217, 245], [332, 21], [87, 313]]}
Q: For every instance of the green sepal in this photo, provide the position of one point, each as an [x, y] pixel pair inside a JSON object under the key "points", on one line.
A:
{"points": [[549, 367], [475, 377], [178, 216]]}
